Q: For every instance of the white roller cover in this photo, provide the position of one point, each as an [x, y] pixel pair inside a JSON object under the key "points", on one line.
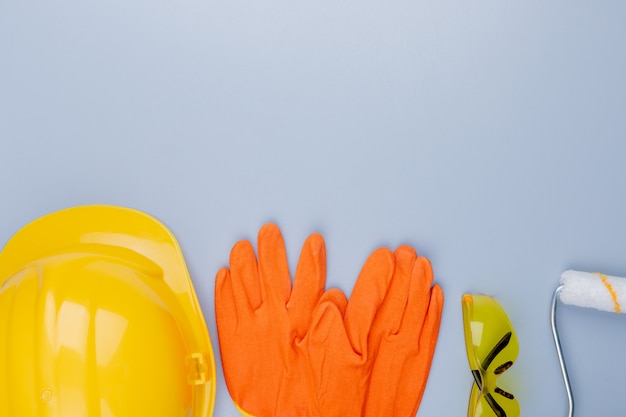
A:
{"points": [[592, 289]]}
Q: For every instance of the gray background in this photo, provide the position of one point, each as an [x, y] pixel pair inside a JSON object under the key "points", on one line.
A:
{"points": [[487, 134]]}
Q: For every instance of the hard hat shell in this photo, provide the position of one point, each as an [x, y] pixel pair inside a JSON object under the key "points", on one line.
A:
{"points": [[98, 317]]}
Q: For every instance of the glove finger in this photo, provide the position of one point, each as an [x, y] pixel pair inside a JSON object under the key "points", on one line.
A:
{"points": [[227, 320], [327, 321], [389, 318], [273, 268], [245, 278], [367, 296], [225, 305], [411, 382], [336, 297], [419, 294], [430, 330], [329, 348], [308, 283], [416, 381]]}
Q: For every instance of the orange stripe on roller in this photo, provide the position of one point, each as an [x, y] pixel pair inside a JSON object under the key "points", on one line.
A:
{"points": [[611, 291]]}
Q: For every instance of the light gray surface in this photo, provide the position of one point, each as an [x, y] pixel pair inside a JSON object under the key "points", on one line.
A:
{"points": [[490, 135]]}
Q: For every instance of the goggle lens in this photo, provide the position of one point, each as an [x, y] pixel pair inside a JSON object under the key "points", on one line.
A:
{"points": [[492, 348]]}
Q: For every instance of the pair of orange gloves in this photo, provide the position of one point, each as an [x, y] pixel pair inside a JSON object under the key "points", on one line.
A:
{"points": [[300, 351]]}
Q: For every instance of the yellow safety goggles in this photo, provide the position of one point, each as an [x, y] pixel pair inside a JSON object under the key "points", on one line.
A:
{"points": [[492, 348]]}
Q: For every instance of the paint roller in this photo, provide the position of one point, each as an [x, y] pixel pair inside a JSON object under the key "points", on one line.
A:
{"points": [[585, 289]]}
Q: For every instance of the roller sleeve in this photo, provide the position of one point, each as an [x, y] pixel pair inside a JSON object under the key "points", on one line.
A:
{"points": [[593, 289]]}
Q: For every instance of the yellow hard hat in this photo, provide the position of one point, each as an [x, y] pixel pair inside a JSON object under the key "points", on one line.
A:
{"points": [[98, 317]]}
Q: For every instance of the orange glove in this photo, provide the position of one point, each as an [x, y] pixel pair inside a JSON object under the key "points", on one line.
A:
{"points": [[404, 335], [371, 356], [261, 321], [366, 357], [337, 342]]}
